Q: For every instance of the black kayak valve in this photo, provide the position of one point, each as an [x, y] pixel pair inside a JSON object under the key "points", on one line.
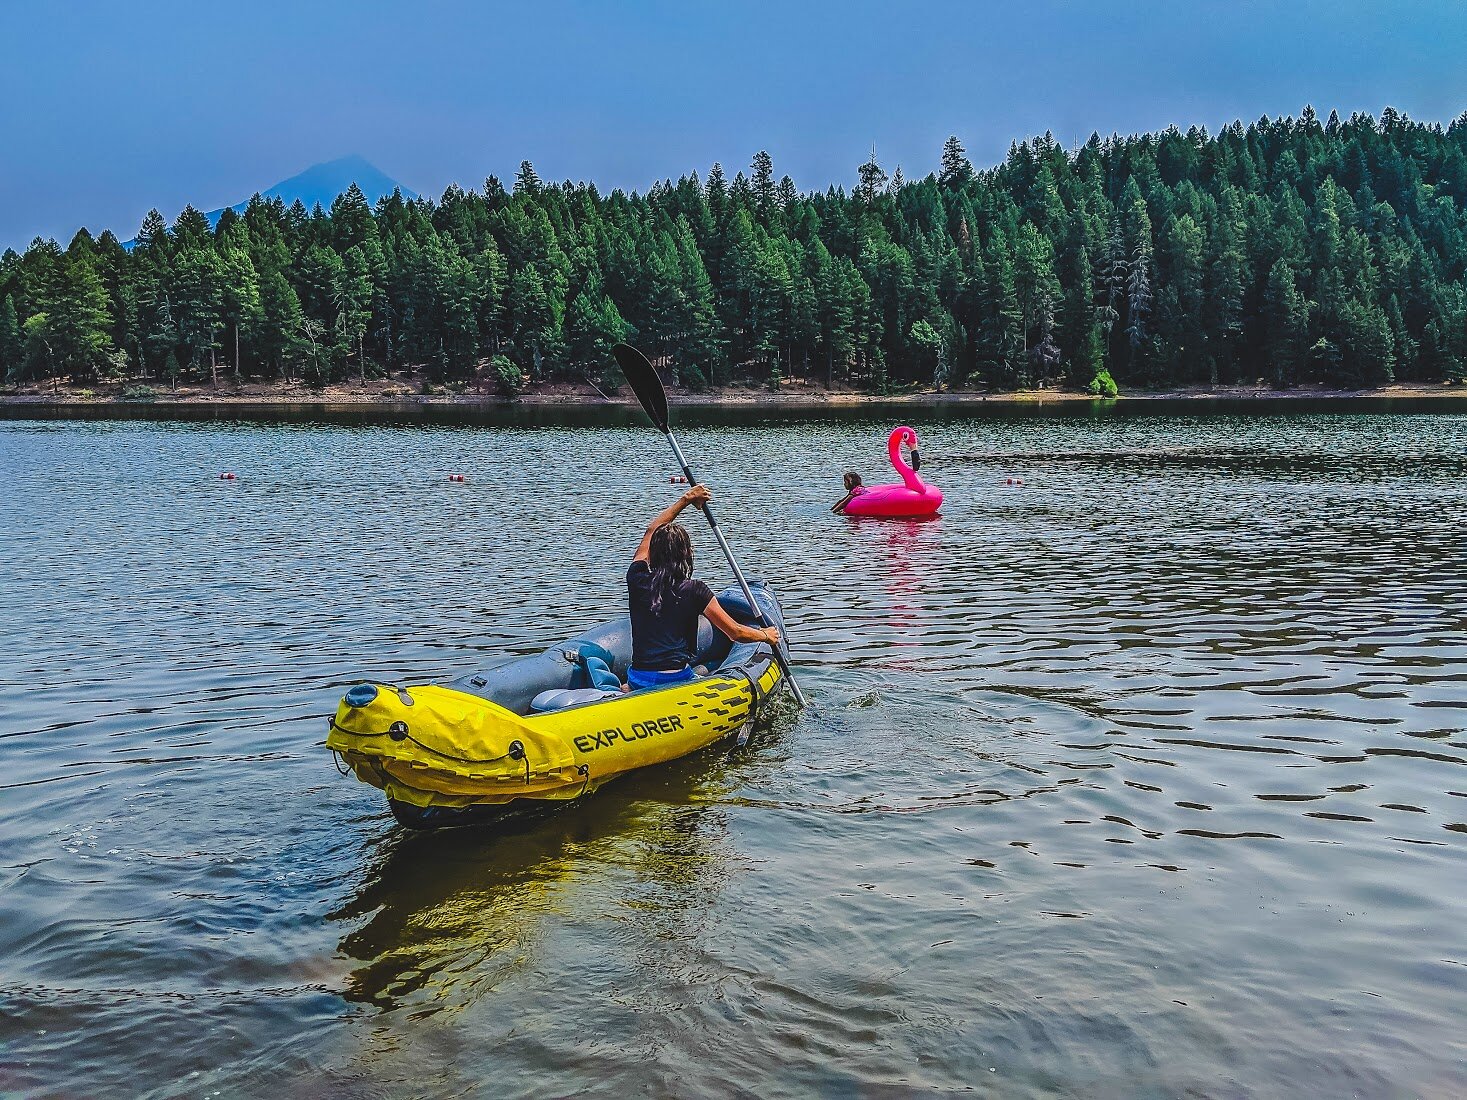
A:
{"points": [[360, 695], [516, 751], [397, 731]]}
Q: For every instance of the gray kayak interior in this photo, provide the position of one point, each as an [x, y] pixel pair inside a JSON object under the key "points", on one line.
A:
{"points": [[515, 684]]}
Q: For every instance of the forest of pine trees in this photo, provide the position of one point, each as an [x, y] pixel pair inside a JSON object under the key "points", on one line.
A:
{"points": [[1289, 251]]}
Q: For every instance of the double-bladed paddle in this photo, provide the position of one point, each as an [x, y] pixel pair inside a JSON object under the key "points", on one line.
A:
{"points": [[642, 377]]}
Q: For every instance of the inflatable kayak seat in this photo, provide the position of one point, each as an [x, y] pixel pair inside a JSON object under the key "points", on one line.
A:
{"points": [[560, 698]]}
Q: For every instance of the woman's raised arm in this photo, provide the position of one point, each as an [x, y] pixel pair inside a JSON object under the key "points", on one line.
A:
{"points": [[694, 496]]}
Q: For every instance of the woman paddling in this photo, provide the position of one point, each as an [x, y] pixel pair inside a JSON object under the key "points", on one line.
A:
{"points": [[665, 602]]}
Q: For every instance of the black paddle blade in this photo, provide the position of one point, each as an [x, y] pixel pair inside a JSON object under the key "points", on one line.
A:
{"points": [[642, 377]]}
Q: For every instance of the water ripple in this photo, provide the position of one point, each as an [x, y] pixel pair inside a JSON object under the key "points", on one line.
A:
{"points": [[1133, 778]]}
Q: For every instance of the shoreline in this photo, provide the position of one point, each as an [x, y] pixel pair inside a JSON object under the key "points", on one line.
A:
{"points": [[388, 395]]}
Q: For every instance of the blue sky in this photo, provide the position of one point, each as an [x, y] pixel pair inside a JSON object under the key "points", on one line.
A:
{"points": [[107, 109]]}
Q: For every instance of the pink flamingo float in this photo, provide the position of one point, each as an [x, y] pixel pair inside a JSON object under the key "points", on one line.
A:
{"points": [[911, 498]]}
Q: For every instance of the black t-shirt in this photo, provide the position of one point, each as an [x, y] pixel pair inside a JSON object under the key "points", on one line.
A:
{"points": [[669, 639]]}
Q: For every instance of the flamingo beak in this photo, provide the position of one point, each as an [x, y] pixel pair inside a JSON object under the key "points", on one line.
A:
{"points": [[916, 460]]}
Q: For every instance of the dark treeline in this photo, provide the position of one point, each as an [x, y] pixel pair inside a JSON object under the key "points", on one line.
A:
{"points": [[1289, 250]]}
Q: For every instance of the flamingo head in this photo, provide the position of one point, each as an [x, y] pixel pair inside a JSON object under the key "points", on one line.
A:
{"points": [[894, 443], [909, 437]]}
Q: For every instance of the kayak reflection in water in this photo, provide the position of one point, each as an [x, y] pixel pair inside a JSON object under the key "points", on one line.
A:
{"points": [[854, 488], [665, 602]]}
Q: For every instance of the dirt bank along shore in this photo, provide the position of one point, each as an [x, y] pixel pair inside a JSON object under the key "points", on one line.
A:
{"points": [[412, 391]]}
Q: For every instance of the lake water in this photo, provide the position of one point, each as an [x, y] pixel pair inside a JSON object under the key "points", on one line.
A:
{"points": [[1142, 778]]}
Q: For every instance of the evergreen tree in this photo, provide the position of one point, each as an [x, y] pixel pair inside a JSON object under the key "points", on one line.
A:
{"points": [[1083, 341], [700, 345], [281, 321], [786, 195], [153, 236], [68, 335], [318, 275], [592, 326], [12, 342], [526, 183], [352, 294], [352, 224], [1223, 308], [191, 230], [458, 296], [1182, 332], [533, 323], [1115, 274], [198, 298], [158, 337], [1138, 297], [873, 180], [761, 183], [1045, 353], [930, 342], [834, 313], [1367, 349], [239, 299], [956, 172], [1286, 324], [1034, 282], [1003, 359], [716, 193]]}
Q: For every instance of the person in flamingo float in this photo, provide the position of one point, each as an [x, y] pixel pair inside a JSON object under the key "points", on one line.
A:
{"points": [[913, 497], [853, 487]]}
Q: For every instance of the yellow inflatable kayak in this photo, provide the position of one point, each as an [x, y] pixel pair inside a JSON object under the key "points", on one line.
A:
{"points": [[548, 727]]}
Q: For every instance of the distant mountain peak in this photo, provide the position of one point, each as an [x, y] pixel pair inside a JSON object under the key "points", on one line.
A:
{"points": [[349, 162], [321, 183]]}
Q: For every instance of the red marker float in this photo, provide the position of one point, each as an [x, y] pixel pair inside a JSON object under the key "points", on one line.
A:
{"points": [[457, 477], [227, 476]]}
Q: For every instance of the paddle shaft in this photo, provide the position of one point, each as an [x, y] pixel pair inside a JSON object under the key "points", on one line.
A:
{"points": [[734, 565]]}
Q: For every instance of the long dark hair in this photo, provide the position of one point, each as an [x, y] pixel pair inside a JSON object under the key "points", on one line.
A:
{"points": [[853, 483], [670, 557]]}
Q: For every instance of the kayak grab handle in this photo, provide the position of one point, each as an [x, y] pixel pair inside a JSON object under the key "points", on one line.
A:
{"points": [[360, 695]]}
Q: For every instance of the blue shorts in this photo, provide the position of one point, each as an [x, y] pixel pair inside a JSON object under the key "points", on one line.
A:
{"points": [[637, 679]]}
